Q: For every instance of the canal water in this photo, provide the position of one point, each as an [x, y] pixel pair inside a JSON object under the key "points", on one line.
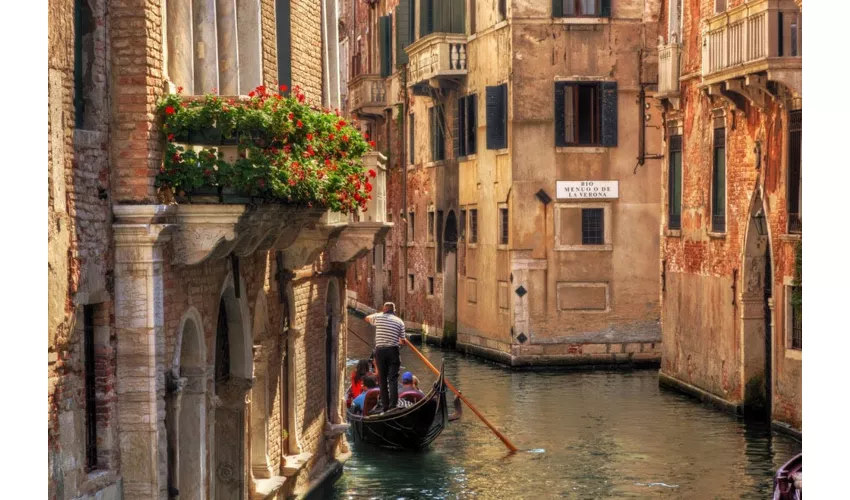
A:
{"points": [[581, 435]]}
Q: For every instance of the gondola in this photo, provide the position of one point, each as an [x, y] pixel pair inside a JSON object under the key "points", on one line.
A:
{"points": [[788, 482], [411, 428]]}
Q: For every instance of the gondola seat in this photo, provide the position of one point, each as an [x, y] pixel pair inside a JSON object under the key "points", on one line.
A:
{"points": [[372, 396], [412, 396]]}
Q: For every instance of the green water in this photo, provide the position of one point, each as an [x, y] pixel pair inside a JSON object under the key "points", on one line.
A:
{"points": [[581, 435]]}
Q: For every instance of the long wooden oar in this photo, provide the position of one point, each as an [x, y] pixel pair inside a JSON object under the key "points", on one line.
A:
{"points": [[454, 390], [462, 398]]}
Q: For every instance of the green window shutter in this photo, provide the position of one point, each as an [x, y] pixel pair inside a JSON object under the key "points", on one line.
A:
{"points": [[560, 124], [432, 132], [426, 17], [457, 9], [457, 137], [557, 8], [609, 113], [412, 139], [497, 116], [605, 8], [471, 123], [385, 45], [402, 31]]}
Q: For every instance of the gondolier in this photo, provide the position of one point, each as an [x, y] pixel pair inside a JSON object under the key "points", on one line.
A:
{"points": [[389, 337]]}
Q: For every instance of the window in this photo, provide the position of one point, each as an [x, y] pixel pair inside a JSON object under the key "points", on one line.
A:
{"points": [[411, 227], [462, 224], [431, 227], [467, 125], [503, 9], [438, 138], [795, 182], [441, 16], [586, 114], [503, 226], [674, 184], [718, 182], [795, 317], [410, 283], [473, 225], [497, 116], [412, 139], [405, 17], [430, 285], [90, 387], [439, 238], [719, 5], [592, 226], [284, 42], [385, 43], [83, 60], [580, 8]]}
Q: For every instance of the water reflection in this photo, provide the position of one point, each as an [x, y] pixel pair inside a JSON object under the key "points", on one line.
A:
{"points": [[582, 435]]}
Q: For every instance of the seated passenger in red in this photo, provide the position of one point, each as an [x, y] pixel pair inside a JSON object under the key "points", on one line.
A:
{"points": [[363, 369], [369, 382]]}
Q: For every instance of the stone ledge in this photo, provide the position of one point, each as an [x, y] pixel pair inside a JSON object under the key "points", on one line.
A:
{"points": [[267, 488], [332, 471], [293, 464], [669, 382]]}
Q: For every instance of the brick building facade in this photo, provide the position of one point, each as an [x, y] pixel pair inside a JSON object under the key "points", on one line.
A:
{"points": [[730, 82], [195, 350], [486, 253]]}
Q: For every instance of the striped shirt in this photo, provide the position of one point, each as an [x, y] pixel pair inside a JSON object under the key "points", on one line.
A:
{"points": [[389, 329]]}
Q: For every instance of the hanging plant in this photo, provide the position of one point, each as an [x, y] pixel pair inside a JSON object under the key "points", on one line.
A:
{"points": [[287, 152], [797, 290]]}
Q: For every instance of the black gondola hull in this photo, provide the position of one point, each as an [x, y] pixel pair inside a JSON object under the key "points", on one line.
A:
{"points": [[411, 428]]}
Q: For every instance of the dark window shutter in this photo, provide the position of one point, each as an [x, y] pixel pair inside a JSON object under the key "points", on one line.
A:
{"points": [[609, 113], [496, 116], [284, 42], [458, 129], [426, 17], [385, 45], [412, 139], [560, 133], [557, 8], [402, 33], [472, 123], [605, 8], [458, 11]]}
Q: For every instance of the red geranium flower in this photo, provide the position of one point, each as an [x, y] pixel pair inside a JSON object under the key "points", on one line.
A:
{"points": [[331, 137], [284, 88], [299, 124], [372, 173], [368, 187], [251, 94], [372, 143], [291, 116], [345, 138], [309, 137], [179, 89], [170, 137], [300, 97], [169, 110]]}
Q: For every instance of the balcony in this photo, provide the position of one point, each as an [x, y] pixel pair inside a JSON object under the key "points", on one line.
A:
{"points": [[368, 95], [435, 57], [669, 58], [761, 37]]}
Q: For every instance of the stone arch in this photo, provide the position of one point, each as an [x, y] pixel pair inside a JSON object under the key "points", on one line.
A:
{"points": [[191, 411], [333, 311], [756, 310], [233, 370]]}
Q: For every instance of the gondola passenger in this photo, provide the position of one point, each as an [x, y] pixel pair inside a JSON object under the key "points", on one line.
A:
{"points": [[363, 368], [408, 383], [368, 383]]}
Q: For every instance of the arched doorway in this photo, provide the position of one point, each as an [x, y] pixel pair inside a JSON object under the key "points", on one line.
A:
{"points": [[192, 419], [450, 280], [232, 378], [333, 310], [757, 317]]}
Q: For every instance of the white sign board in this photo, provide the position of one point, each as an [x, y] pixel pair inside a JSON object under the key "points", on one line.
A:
{"points": [[572, 190]]}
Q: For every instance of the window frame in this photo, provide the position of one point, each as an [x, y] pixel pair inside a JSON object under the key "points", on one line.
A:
{"points": [[430, 290], [467, 116], [473, 226], [603, 9], [604, 120], [432, 224], [411, 283], [790, 319], [436, 122], [462, 225], [795, 169], [599, 233], [411, 226], [718, 226], [496, 115], [90, 388], [503, 225], [607, 246], [675, 145]]}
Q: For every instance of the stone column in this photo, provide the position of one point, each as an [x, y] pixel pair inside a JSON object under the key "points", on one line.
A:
{"points": [[206, 46], [250, 45], [174, 387], [259, 414], [140, 362], [181, 60], [228, 50]]}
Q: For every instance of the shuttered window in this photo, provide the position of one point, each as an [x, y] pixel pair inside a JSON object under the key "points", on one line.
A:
{"points": [[404, 22], [442, 16], [438, 137], [586, 114], [467, 125], [795, 160], [412, 140], [411, 226], [385, 28], [581, 8], [503, 226], [497, 116], [284, 42], [674, 184], [718, 182], [431, 227], [473, 225], [462, 235]]}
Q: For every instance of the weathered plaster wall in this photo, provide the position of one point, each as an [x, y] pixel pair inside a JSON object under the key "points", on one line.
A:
{"points": [[701, 267]]}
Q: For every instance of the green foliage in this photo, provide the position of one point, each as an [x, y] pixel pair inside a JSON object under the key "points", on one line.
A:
{"points": [[287, 151], [797, 290]]}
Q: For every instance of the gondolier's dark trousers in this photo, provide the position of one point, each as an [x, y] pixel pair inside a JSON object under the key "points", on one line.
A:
{"points": [[388, 362]]}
